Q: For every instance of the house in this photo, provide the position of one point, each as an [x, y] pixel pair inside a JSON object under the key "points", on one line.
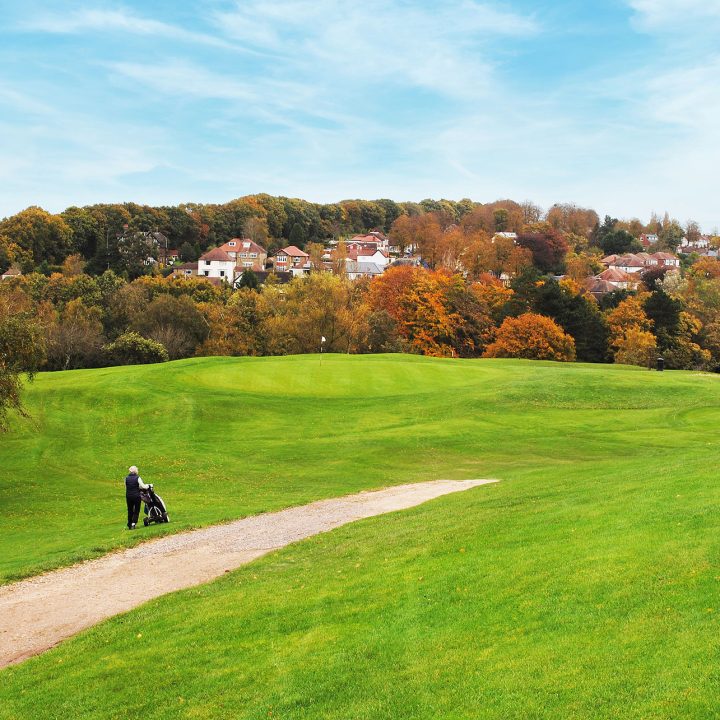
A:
{"points": [[357, 270], [375, 237], [597, 288], [648, 239], [618, 279], [629, 263], [246, 253], [664, 259], [637, 263], [355, 245], [186, 270], [506, 235], [292, 259], [217, 264], [11, 272], [369, 255], [155, 244]]}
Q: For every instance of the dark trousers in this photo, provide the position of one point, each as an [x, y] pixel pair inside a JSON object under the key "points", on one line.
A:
{"points": [[133, 504]]}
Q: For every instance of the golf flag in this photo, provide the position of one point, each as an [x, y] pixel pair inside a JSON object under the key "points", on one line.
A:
{"points": [[322, 339]]}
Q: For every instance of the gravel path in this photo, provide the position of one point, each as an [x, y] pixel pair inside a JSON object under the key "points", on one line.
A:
{"points": [[40, 612]]}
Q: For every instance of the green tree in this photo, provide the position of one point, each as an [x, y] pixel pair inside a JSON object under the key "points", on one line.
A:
{"points": [[22, 350], [176, 322], [298, 238], [248, 279]]}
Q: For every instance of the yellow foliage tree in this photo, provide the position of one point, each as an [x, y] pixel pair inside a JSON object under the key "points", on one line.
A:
{"points": [[636, 347]]}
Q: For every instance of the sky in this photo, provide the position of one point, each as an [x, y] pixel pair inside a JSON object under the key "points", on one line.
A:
{"points": [[610, 104]]}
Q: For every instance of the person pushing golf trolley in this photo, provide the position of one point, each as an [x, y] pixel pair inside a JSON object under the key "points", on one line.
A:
{"points": [[136, 491]]}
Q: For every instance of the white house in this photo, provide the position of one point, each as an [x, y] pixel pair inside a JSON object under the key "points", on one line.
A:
{"points": [[217, 264], [357, 270], [370, 255]]}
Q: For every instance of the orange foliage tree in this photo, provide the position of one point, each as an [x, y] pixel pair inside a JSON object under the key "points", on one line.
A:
{"points": [[388, 290], [533, 337]]}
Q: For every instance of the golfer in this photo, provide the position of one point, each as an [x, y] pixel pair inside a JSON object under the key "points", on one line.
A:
{"points": [[133, 486]]}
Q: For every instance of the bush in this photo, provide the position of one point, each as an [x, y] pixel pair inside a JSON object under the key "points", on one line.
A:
{"points": [[133, 349]]}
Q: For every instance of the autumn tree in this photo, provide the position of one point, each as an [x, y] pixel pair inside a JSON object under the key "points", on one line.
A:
{"points": [[533, 337], [388, 291], [47, 236], [636, 347], [428, 319], [256, 229], [548, 249], [571, 219], [296, 316], [74, 335], [234, 327], [73, 265], [631, 338]]}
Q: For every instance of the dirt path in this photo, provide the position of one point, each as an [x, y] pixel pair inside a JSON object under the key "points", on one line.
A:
{"points": [[38, 613]]}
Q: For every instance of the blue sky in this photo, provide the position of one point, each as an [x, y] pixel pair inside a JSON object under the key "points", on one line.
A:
{"points": [[613, 104]]}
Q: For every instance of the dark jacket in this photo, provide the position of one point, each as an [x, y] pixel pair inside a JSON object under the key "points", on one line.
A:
{"points": [[132, 486]]}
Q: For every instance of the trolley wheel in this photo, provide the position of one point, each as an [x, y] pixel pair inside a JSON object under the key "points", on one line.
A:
{"points": [[146, 522], [166, 518]]}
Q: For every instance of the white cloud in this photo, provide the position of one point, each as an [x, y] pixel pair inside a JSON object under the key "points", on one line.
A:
{"points": [[670, 15], [123, 21], [443, 48]]}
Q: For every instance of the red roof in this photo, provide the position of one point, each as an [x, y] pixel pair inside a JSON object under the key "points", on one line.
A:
{"points": [[367, 252], [293, 251], [614, 275], [243, 245], [216, 254]]}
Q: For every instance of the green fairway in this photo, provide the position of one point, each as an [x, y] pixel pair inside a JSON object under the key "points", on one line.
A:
{"points": [[584, 585]]}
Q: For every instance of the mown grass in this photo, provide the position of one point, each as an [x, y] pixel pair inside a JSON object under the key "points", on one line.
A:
{"points": [[584, 585]]}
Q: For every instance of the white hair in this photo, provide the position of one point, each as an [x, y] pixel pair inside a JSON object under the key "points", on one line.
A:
{"points": [[133, 470]]}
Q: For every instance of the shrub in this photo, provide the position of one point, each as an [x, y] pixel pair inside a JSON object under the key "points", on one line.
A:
{"points": [[133, 349]]}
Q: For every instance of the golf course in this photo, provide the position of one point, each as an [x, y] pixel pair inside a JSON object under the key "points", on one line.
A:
{"points": [[584, 584]]}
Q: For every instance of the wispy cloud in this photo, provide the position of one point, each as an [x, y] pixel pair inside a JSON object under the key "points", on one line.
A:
{"points": [[116, 21], [669, 15], [443, 48]]}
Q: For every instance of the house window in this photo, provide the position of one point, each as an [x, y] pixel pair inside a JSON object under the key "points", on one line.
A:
{"points": [[252, 255], [206, 273], [207, 262], [231, 244], [222, 273], [188, 272]]}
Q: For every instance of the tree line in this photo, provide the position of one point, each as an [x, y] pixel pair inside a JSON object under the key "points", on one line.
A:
{"points": [[481, 292], [35, 239]]}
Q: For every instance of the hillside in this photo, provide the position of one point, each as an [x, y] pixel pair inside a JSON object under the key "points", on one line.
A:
{"points": [[582, 585]]}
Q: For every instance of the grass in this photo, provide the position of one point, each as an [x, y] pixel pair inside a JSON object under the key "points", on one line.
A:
{"points": [[584, 585]]}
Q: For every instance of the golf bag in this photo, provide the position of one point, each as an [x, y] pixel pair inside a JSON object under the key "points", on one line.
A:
{"points": [[155, 510]]}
